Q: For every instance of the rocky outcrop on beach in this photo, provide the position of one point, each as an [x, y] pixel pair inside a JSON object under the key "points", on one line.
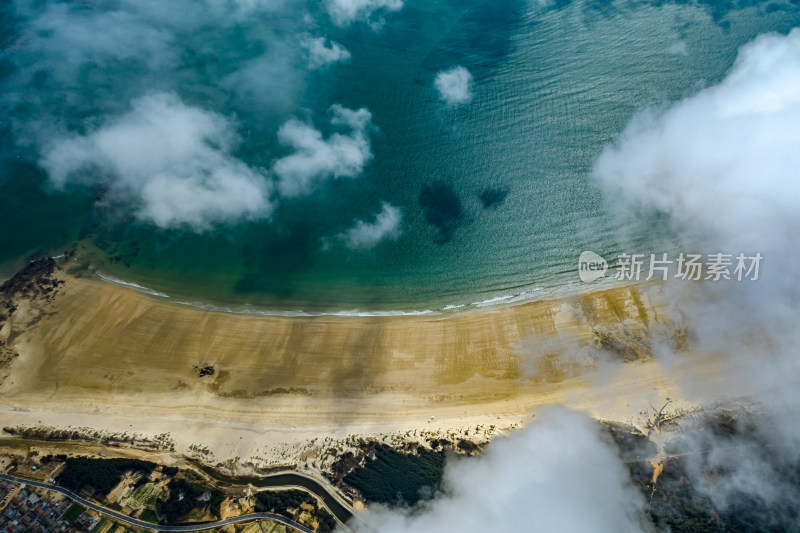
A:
{"points": [[22, 303], [36, 281]]}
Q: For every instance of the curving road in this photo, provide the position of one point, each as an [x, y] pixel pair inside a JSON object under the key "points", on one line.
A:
{"points": [[148, 525], [340, 509]]}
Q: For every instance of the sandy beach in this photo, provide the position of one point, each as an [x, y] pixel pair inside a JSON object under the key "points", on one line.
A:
{"points": [[110, 359]]}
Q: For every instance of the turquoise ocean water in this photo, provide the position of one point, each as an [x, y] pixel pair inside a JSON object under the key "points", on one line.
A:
{"points": [[496, 196]]}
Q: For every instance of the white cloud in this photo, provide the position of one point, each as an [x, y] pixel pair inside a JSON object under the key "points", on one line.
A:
{"points": [[270, 82], [723, 165], [170, 161], [321, 54], [316, 159], [64, 38], [365, 235], [345, 12], [678, 48], [558, 474], [454, 85]]}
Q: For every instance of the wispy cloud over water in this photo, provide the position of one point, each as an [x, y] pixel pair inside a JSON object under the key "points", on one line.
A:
{"points": [[316, 159], [454, 85], [171, 162]]}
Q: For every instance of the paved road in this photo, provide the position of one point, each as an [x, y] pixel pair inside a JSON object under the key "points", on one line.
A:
{"points": [[147, 525], [340, 510]]}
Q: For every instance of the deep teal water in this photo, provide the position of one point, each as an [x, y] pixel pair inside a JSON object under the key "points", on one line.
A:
{"points": [[553, 87]]}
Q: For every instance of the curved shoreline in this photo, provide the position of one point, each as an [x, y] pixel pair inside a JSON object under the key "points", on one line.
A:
{"points": [[532, 294]]}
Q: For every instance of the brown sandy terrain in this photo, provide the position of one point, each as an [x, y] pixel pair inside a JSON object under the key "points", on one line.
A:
{"points": [[101, 356]]}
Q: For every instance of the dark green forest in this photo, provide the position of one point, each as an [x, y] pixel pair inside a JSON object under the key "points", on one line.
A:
{"points": [[393, 477], [102, 475]]}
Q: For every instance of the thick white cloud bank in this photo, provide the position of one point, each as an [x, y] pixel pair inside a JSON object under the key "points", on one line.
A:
{"points": [[365, 235], [724, 160], [322, 52], [171, 162], [346, 12], [316, 159], [454, 85], [723, 165], [558, 474]]}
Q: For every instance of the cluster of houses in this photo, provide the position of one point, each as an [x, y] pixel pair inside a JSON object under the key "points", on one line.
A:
{"points": [[22, 510]]}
